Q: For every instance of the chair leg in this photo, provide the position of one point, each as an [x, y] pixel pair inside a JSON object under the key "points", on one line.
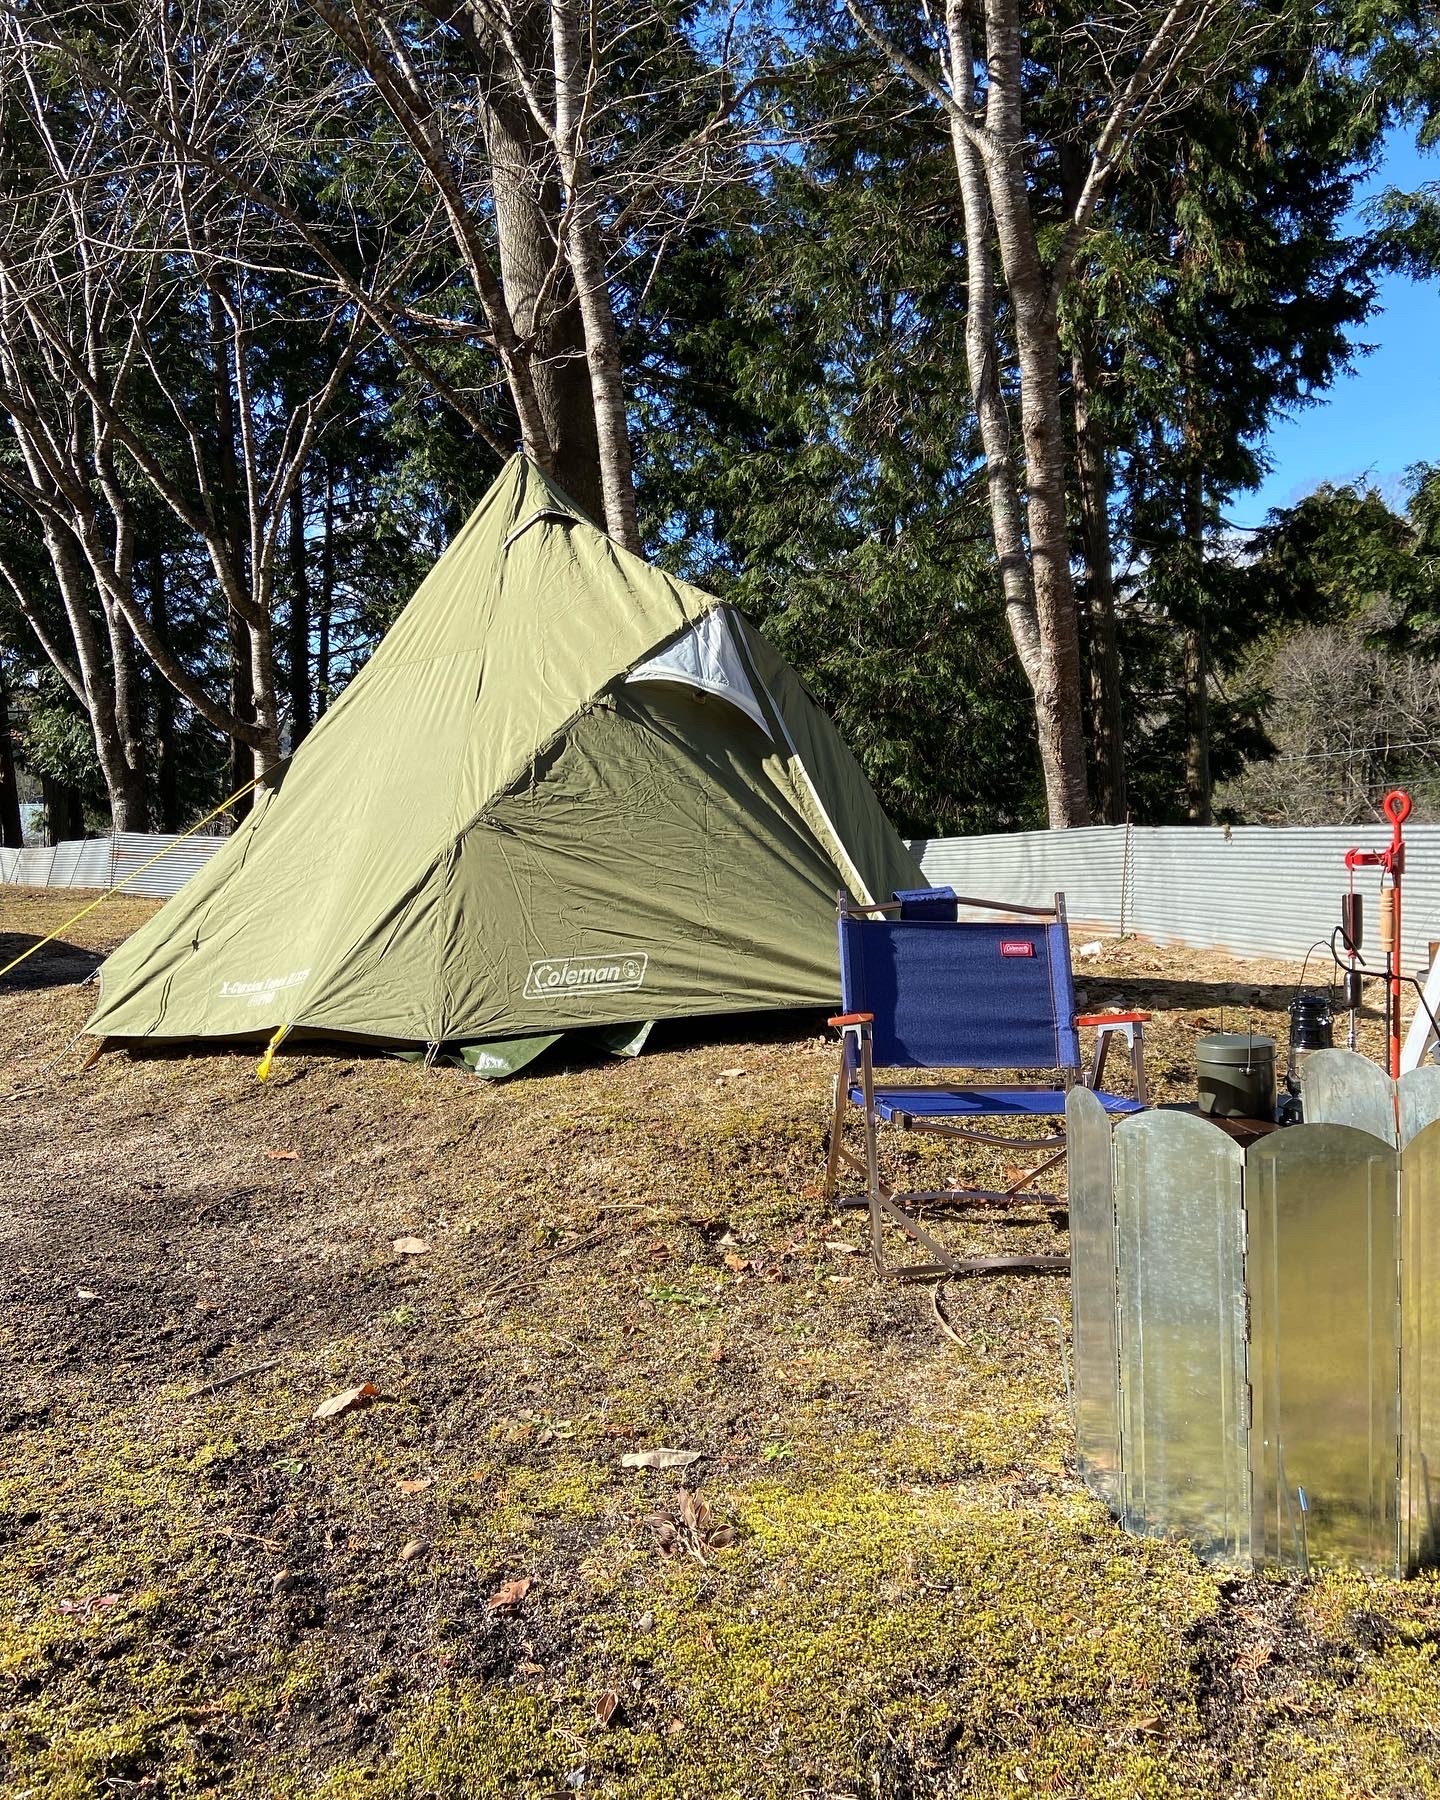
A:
{"points": [[1137, 1064], [837, 1131], [1097, 1065], [945, 1263], [872, 1191]]}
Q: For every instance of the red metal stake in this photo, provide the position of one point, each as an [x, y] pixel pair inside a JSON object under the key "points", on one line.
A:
{"points": [[1391, 862]]}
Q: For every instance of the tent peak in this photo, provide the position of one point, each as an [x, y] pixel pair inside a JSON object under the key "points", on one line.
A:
{"points": [[531, 489]]}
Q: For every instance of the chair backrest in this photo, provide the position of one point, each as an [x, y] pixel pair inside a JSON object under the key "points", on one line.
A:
{"points": [[928, 903], [972, 994]]}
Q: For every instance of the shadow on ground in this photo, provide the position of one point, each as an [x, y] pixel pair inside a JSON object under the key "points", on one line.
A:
{"points": [[58, 965]]}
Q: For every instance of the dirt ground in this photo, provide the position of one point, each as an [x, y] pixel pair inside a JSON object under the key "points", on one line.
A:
{"points": [[891, 1582]]}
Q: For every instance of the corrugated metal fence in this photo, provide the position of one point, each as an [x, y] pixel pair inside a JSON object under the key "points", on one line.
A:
{"points": [[1252, 889], [101, 862]]}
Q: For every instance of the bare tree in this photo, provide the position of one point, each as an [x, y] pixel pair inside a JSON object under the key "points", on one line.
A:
{"points": [[509, 165], [1349, 720], [12, 835], [1138, 65], [574, 187], [132, 356]]}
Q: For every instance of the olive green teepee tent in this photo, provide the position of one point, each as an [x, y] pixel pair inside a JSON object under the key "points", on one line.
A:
{"points": [[566, 791]]}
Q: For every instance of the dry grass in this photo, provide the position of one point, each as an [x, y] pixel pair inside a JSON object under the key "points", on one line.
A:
{"points": [[208, 1592]]}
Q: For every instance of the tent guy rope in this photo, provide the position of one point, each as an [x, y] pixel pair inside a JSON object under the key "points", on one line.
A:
{"points": [[149, 862]]}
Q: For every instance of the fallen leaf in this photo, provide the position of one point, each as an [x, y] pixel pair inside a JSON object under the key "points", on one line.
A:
{"points": [[729, 1074], [717, 1352], [85, 1294], [510, 1593], [529, 1668], [606, 1707], [693, 1511], [410, 1246], [346, 1402], [738, 1263], [721, 1537], [841, 1248], [1250, 1661], [416, 1547], [659, 1459], [85, 1607], [667, 1538], [418, 1485], [282, 1156]]}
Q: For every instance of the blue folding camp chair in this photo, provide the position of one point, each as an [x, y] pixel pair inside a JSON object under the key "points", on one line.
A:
{"points": [[926, 990]]}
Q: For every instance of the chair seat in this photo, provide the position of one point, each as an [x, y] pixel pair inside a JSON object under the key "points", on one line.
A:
{"points": [[979, 1103]]}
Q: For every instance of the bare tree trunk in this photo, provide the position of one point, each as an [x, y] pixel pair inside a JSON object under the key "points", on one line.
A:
{"points": [[98, 683], [1111, 798], [1056, 681], [1034, 555], [1057, 685], [327, 595], [262, 687], [12, 834], [982, 353], [167, 793], [298, 622], [241, 695], [574, 92], [128, 808], [526, 209], [241, 700], [1000, 148]]}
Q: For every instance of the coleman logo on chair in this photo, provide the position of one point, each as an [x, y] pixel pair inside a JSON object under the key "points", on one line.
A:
{"points": [[566, 974], [1017, 947]]}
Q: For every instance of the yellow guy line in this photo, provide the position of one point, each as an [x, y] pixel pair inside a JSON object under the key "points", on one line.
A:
{"points": [[65, 925]]}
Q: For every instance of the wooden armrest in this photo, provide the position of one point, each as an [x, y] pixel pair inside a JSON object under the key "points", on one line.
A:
{"points": [[852, 1019], [1130, 1018]]}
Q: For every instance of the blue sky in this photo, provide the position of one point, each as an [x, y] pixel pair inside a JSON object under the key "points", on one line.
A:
{"points": [[1385, 414]]}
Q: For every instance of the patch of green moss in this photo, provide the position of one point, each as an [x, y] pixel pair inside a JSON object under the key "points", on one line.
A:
{"points": [[1376, 1732], [464, 1740], [849, 1616], [69, 1762]]}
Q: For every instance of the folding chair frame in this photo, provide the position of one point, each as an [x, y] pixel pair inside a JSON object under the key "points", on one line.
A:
{"points": [[885, 1204]]}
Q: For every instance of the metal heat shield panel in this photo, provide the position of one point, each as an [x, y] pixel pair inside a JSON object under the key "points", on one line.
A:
{"points": [[1183, 1402], [1323, 1283], [1418, 1098], [1092, 1293], [1420, 1344], [1337, 1087]]}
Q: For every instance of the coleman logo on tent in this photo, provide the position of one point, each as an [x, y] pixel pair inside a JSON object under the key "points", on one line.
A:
{"points": [[569, 974]]}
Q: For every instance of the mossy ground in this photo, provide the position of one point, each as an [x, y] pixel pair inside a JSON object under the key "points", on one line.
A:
{"points": [[206, 1592]]}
